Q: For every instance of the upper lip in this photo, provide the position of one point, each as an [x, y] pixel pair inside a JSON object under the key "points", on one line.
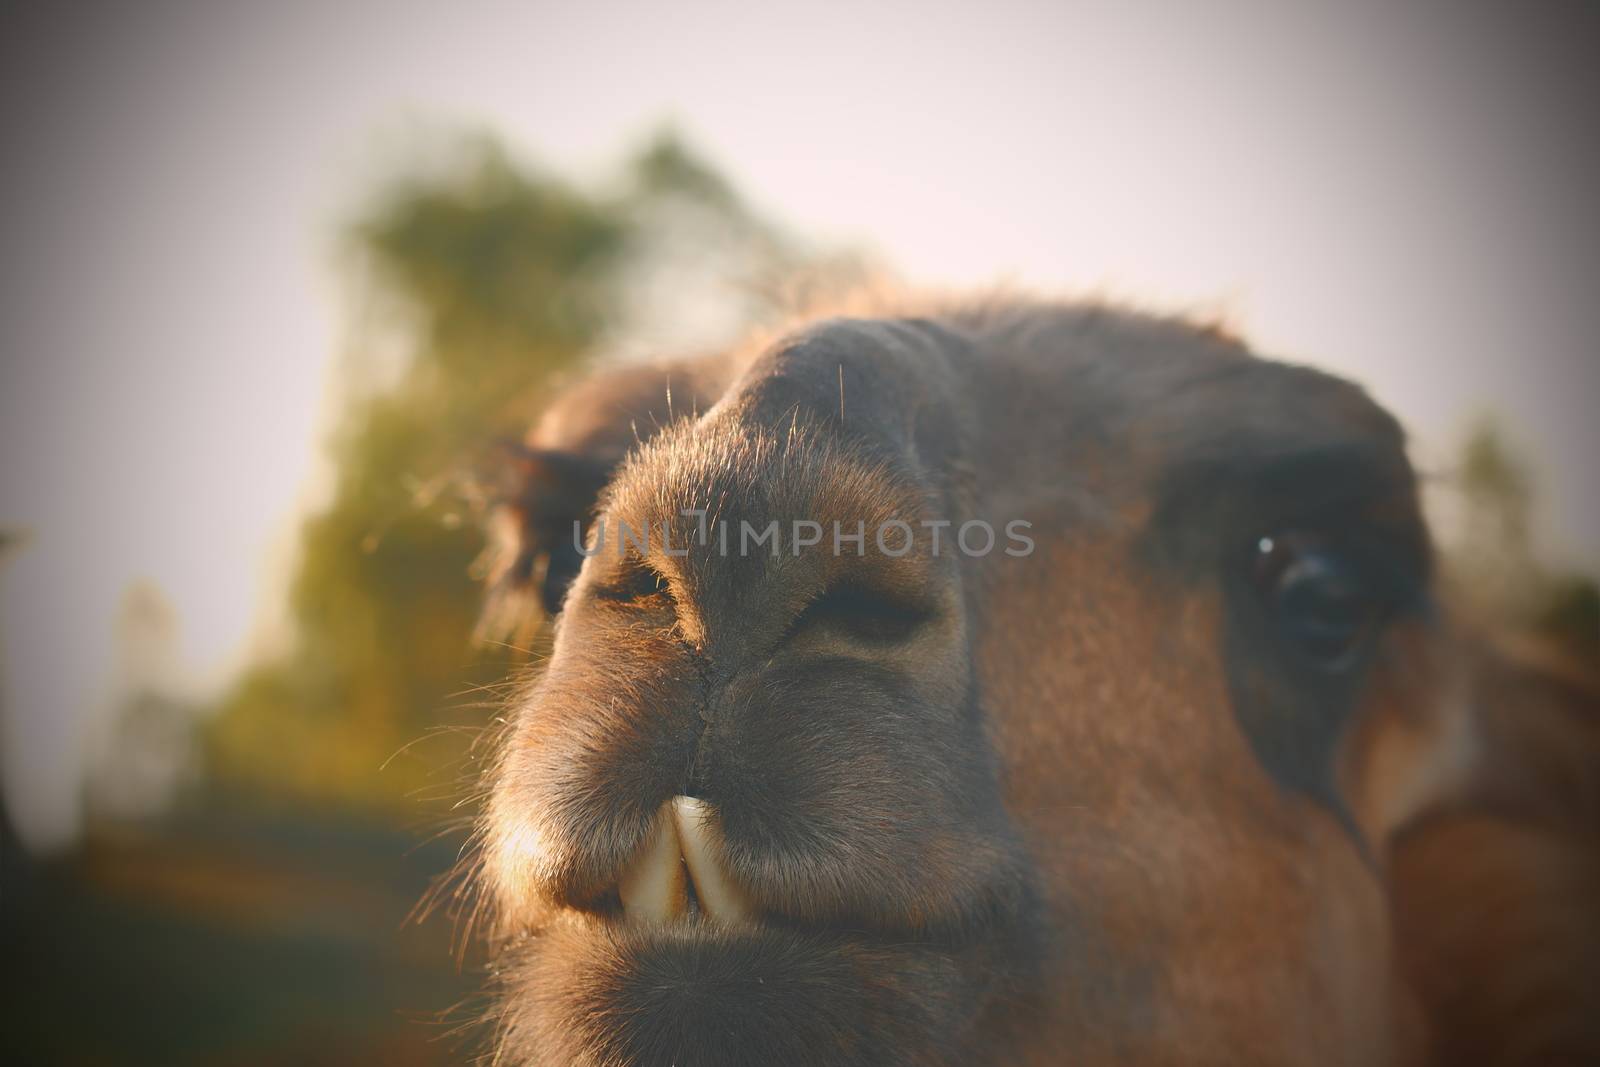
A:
{"points": [[678, 872]]}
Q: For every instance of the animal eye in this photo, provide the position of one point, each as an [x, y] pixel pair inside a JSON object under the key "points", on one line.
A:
{"points": [[864, 614], [638, 582], [1323, 601]]}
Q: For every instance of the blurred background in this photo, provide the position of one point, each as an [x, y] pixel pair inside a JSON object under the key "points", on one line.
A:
{"points": [[276, 279]]}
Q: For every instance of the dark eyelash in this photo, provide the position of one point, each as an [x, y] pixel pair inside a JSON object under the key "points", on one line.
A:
{"points": [[865, 614], [639, 581]]}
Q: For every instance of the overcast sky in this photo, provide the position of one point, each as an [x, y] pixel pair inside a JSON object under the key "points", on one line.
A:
{"points": [[1403, 197]]}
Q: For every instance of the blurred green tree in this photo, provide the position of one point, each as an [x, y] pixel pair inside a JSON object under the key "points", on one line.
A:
{"points": [[498, 277], [1493, 560]]}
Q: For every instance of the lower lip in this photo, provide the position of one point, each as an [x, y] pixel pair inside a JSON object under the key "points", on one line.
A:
{"points": [[601, 982]]}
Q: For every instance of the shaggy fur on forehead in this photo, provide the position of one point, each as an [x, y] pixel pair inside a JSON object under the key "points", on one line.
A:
{"points": [[798, 471]]}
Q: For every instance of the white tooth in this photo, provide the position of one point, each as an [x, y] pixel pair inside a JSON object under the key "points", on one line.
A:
{"points": [[653, 887], [719, 897]]}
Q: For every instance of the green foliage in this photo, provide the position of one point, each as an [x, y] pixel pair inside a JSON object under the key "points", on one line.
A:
{"points": [[499, 277], [667, 167], [1569, 615], [1493, 558]]}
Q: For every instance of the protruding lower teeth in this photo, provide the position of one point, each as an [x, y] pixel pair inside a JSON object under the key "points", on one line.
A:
{"points": [[681, 849], [718, 896], [653, 887]]}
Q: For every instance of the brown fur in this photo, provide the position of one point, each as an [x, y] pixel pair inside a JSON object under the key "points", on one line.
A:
{"points": [[1080, 806]]}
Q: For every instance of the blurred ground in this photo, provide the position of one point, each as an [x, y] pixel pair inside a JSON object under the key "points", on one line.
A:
{"points": [[231, 935]]}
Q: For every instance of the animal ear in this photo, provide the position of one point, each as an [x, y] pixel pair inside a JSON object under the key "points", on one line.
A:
{"points": [[539, 488], [554, 480], [544, 502], [1495, 888]]}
